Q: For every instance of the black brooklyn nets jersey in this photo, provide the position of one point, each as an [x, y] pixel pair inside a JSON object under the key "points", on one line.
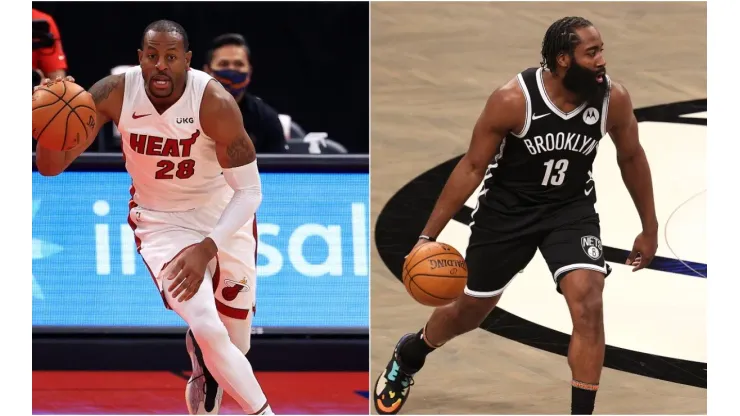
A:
{"points": [[548, 165]]}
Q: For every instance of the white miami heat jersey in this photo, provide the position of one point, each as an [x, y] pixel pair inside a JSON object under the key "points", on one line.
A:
{"points": [[171, 161]]}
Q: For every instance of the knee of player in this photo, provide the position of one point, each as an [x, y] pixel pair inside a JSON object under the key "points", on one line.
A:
{"points": [[588, 311], [209, 334], [243, 345]]}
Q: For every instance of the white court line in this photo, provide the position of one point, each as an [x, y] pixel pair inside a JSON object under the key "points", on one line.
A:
{"points": [[702, 114], [668, 222]]}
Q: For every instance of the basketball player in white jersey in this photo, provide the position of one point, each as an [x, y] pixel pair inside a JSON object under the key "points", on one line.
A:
{"points": [[194, 195]]}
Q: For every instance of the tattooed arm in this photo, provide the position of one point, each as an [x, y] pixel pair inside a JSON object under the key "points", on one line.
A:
{"points": [[108, 96], [222, 121]]}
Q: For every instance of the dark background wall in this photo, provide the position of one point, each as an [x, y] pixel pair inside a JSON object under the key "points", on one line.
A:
{"points": [[311, 60]]}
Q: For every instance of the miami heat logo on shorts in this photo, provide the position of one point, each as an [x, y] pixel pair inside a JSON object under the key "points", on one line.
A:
{"points": [[233, 288]]}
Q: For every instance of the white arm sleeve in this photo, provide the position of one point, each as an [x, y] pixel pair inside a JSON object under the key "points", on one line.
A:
{"points": [[245, 180]]}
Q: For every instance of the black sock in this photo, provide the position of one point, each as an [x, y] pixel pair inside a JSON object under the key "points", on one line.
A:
{"points": [[583, 398], [414, 351]]}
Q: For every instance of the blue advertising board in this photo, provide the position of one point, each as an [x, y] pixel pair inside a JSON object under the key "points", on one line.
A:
{"points": [[313, 255]]}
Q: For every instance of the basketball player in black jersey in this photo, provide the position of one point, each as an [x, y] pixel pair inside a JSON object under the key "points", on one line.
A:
{"points": [[534, 145]]}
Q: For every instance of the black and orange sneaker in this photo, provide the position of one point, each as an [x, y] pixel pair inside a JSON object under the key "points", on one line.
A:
{"points": [[393, 386]]}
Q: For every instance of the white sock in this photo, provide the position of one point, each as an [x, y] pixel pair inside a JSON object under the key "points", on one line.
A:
{"points": [[224, 360]]}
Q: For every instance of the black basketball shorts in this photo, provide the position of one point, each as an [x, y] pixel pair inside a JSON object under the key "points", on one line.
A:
{"points": [[494, 258]]}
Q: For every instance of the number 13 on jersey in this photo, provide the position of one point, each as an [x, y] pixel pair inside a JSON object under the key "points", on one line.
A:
{"points": [[557, 177]]}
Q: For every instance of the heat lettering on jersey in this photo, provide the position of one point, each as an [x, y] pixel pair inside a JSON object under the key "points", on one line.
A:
{"points": [[166, 147], [561, 141], [154, 146]]}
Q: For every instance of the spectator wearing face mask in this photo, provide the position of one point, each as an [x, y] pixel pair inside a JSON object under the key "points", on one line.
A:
{"points": [[228, 61]]}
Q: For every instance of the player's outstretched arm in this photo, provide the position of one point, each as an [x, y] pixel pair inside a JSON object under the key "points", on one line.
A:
{"points": [[108, 96], [504, 111], [633, 163], [222, 121]]}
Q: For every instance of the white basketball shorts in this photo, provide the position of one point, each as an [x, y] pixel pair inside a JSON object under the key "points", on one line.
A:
{"points": [[161, 236]]}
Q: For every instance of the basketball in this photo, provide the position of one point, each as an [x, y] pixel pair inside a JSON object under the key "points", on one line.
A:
{"points": [[435, 274], [64, 116]]}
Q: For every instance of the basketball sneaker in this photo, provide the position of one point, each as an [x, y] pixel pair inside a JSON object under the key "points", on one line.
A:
{"points": [[202, 394], [393, 386]]}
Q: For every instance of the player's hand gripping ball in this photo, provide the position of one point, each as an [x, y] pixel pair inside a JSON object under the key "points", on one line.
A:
{"points": [[64, 114]]}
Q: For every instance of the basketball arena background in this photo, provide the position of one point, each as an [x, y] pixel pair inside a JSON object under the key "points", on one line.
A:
{"points": [[95, 307]]}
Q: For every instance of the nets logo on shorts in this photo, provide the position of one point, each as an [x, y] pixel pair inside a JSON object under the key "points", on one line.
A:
{"points": [[592, 246]]}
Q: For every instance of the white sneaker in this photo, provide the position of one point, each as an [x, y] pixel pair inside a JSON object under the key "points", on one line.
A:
{"points": [[203, 395]]}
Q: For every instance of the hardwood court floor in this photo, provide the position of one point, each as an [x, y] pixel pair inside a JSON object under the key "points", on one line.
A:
{"points": [[433, 66]]}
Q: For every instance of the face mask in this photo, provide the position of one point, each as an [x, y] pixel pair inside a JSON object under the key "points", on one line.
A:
{"points": [[235, 82]]}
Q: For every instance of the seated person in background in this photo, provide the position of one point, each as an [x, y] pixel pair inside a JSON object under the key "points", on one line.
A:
{"points": [[228, 60], [51, 60], [48, 61]]}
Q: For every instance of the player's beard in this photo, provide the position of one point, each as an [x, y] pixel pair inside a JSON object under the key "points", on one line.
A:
{"points": [[582, 81]]}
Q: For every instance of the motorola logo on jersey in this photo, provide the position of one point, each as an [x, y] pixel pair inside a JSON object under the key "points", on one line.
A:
{"points": [[184, 120], [591, 116]]}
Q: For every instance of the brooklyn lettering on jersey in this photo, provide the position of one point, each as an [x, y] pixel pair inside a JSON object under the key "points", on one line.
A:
{"points": [[561, 141], [160, 146]]}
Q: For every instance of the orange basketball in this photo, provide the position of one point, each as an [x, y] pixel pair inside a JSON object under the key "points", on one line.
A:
{"points": [[435, 274], [64, 116]]}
